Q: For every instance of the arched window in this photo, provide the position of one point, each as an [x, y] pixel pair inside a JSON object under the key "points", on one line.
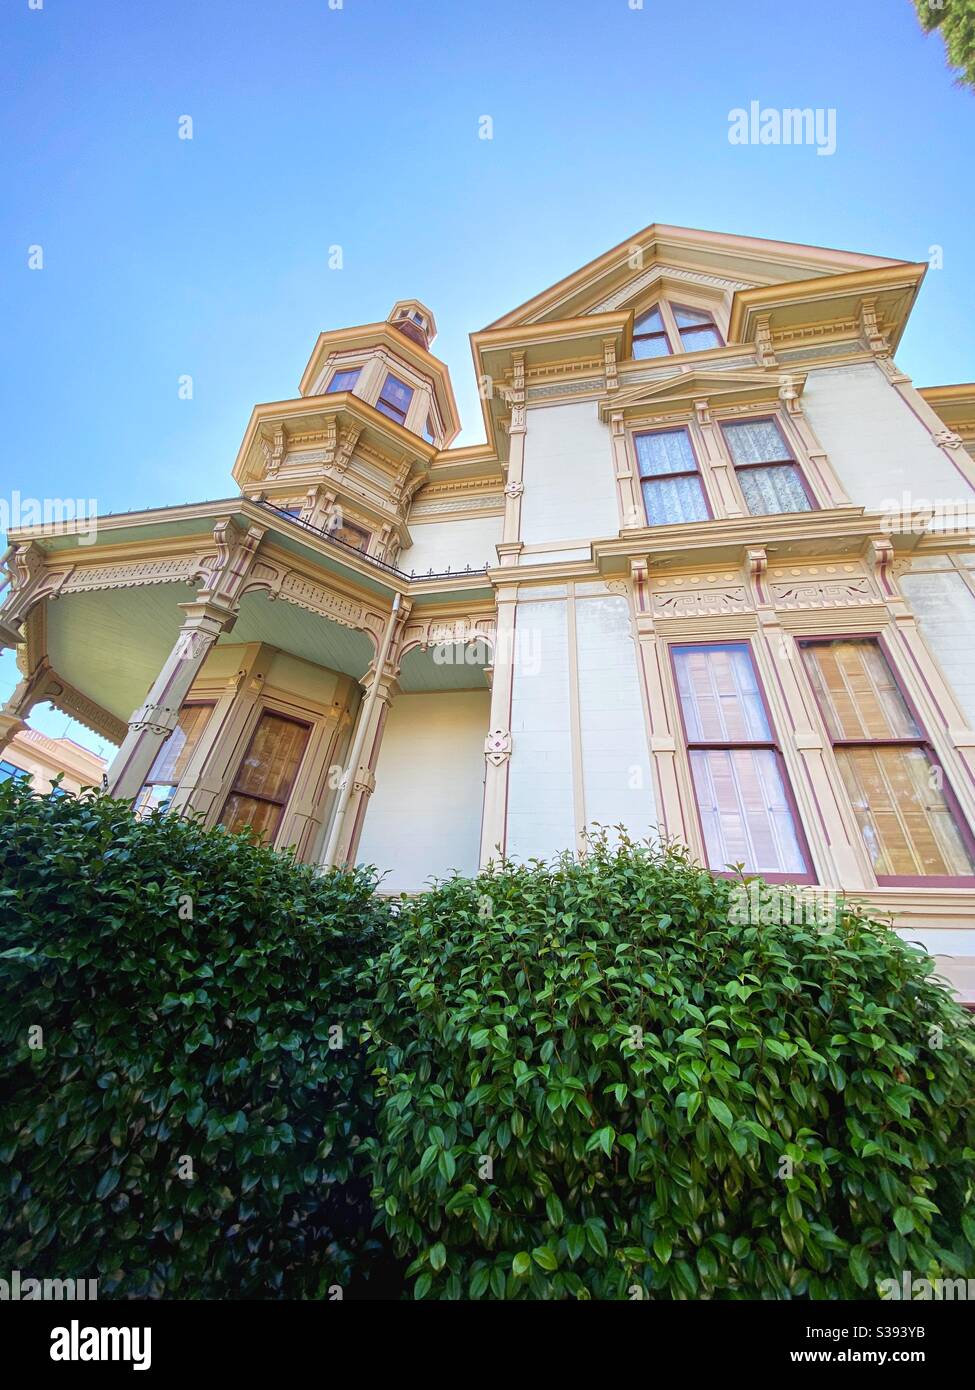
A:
{"points": [[666, 328], [697, 329], [650, 336]]}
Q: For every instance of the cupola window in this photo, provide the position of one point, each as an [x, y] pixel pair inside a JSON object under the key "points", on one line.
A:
{"points": [[343, 380], [394, 398]]}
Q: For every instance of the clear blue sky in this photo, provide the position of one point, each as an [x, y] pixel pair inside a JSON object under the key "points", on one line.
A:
{"points": [[358, 127]]}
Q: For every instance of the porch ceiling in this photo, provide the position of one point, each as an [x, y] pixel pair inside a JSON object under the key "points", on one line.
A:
{"points": [[110, 644], [428, 670], [301, 633]]}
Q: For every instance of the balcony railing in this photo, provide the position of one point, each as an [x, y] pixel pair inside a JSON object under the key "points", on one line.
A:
{"points": [[323, 533]]}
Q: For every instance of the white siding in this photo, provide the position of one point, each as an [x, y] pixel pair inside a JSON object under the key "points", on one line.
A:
{"points": [[440, 545], [424, 818], [945, 609], [875, 442], [617, 784], [541, 820], [570, 485]]}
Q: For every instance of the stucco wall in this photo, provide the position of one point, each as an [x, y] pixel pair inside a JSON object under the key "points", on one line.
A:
{"points": [[611, 757], [440, 545], [878, 446], [945, 609], [424, 818], [617, 784], [570, 488], [540, 811]]}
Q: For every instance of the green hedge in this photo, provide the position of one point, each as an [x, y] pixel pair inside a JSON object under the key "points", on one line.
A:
{"points": [[188, 1128], [792, 1116], [578, 1080]]}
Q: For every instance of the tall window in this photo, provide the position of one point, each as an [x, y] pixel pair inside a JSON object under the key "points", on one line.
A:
{"points": [[770, 479], [394, 398], [739, 778], [669, 478], [650, 336], [266, 776], [696, 328], [173, 758], [343, 380], [907, 816], [10, 772]]}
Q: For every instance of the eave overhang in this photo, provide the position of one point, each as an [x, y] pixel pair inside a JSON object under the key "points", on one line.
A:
{"points": [[955, 405], [753, 260], [168, 532], [330, 414], [829, 305], [497, 351]]}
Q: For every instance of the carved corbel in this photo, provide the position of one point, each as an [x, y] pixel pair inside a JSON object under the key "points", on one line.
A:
{"points": [[880, 554], [274, 450], [610, 369], [763, 341], [24, 567], [789, 394], [871, 330], [348, 439], [235, 556]]}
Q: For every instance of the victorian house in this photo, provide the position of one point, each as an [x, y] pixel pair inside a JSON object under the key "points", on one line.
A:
{"points": [[709, 577]]}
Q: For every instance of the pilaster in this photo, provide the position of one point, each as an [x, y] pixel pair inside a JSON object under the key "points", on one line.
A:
{"points": [[497, 744], [673, 822]]}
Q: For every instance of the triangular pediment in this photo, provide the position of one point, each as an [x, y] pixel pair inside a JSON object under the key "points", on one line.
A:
{"points": [[675, 260], [680, 390]]}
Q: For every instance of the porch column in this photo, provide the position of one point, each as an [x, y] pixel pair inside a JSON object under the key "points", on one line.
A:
{"points": [[379, 685], [384, 689], [497, 745], [153, 722]]}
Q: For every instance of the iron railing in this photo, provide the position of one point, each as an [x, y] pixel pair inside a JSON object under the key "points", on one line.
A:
{"points": [[323, 533]]}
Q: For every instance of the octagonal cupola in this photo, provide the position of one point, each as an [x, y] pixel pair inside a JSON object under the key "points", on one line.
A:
{"points": [[414, 320]]}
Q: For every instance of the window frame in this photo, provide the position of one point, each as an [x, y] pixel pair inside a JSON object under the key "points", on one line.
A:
{"points": [[696, 472], [772, 744], [793, 461], [233, 790], [342, 371], [663, 332], [389, 406], [923, 740], [696, 328], [142, 801]]}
